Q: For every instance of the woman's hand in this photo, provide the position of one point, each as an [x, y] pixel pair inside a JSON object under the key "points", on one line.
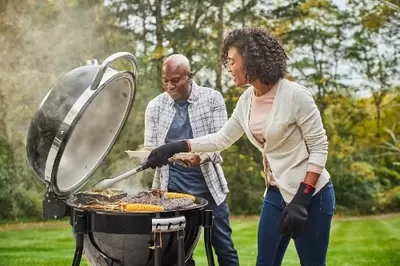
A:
{"points": [[160, 155], [294, 216]]}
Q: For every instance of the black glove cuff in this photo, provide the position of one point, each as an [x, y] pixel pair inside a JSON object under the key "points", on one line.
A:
{"points": [[307, 189], [304, 194], [182, 146]]}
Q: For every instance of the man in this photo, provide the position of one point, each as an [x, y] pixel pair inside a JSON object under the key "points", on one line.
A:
{"points": [[186, 110]]}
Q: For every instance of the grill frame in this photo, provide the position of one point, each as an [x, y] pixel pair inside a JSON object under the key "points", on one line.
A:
{"points": [[86, 223]]}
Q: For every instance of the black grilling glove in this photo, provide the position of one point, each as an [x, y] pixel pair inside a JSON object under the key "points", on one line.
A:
{"points": [[294, 216], [159, 156]]}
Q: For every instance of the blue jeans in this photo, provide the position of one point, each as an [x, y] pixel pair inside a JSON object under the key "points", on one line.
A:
{"points": [[312, 242], [220, 234]]}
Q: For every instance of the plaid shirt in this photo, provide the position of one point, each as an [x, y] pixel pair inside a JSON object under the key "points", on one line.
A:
{"points": [[207, 114]]}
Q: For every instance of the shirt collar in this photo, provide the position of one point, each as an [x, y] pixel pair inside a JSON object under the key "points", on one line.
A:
{"points": [[194, 94]]}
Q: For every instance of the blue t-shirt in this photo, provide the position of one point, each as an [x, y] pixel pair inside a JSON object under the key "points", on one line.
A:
{"points": [[184, 179]]}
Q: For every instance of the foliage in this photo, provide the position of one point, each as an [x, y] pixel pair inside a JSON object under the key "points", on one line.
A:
{"points": [[390, 199]]}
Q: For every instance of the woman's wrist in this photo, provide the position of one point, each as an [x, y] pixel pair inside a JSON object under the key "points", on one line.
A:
{"points": [[311, 178]]}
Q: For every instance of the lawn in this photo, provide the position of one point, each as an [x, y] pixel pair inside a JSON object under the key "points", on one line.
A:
{"points": [[367, 241]]}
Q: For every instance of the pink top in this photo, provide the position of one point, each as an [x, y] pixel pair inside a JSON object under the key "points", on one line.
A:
{"points": [[260, 108]]}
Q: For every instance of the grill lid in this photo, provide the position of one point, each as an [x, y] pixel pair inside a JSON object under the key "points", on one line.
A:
{"points": [[78, 122]]}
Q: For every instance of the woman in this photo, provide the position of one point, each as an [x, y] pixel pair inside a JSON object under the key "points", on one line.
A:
{"points": [[281, 119]]}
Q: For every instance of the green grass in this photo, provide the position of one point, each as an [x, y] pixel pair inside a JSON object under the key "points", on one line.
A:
{"points": [[355, 242]]}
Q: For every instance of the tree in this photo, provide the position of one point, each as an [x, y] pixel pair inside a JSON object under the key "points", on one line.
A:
{"points": [[313, 34], [374, 53]]}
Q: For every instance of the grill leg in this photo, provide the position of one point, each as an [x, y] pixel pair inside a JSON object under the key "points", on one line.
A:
{"points": [[78, 230], [207, 223], [181, 247], [158, 250]]}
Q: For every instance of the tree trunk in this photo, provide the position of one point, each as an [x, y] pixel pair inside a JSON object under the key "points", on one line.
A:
{"points": [[243, 16], [143, 17], [218, 81], [159, 44], [378, 97]]}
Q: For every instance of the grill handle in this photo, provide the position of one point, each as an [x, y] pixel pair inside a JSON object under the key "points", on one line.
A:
{"points": [[107, 62]]}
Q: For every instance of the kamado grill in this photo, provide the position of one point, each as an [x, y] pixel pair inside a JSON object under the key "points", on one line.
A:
{"points": [[72, 131]]}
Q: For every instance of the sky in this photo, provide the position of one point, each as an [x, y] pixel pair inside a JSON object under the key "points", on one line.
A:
{"points": [[340, 3]]}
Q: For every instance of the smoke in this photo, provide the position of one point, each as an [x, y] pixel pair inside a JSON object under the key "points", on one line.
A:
{"points": [[132, 187], [133, 184], [40, 42]]}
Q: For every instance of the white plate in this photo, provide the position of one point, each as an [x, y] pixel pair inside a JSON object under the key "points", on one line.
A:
{"points": [[138, 154], [145, 154]]}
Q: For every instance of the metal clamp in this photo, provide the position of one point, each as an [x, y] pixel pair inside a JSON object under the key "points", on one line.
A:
{"points": [[53, 207], [164, 225], [108, 61], [157, 240]]}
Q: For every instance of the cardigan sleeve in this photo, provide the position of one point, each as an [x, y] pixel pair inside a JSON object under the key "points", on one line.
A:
{"points": [[221, 140], [309, 120]]}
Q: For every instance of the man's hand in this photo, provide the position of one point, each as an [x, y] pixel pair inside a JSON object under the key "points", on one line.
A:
{"points": [[204, 158], [191, 160], [187, 160]]}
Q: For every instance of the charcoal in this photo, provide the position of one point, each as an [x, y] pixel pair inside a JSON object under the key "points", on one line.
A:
{"points": [[176, 204]]}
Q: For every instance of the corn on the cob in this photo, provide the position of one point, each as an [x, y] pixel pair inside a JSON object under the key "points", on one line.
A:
{"points": [[137, 207], [174, 195]]}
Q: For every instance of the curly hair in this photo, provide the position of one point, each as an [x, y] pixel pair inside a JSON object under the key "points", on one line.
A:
{"points": [[264, 56]]}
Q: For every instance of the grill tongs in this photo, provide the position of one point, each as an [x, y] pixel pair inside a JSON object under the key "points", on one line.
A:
{"points": [[106, 183]]}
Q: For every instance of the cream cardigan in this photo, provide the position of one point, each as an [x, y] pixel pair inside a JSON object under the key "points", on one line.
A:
{"points": [[294, 136]]}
